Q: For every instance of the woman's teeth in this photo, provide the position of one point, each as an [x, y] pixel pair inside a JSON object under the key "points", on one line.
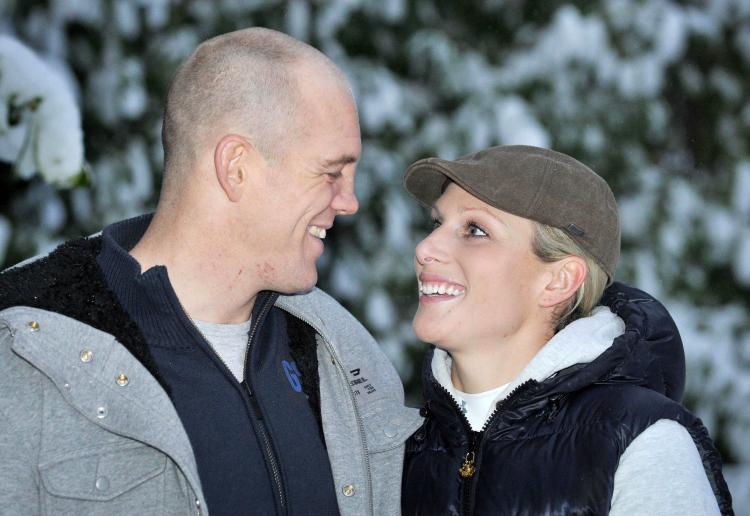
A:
{"points": [[431, 289], [317, 232]]}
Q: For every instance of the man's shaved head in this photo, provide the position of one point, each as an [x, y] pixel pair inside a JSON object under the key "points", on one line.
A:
{"points": [[246, 82]]}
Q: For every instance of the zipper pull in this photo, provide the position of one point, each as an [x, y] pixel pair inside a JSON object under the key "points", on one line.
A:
{"points": [[467, 468]]}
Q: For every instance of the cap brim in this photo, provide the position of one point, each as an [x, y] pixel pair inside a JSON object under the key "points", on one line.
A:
{"points": [[425, 180]]}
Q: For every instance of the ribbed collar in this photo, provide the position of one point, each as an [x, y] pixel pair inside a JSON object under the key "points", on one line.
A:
{"points": [[149, 297]]}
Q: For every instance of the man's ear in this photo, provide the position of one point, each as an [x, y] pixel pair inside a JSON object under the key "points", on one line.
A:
{"points": [[232, 162], [567, 275]]}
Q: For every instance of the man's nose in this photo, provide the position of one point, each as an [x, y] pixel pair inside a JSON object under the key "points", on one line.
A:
{"points": [[345, 201]]}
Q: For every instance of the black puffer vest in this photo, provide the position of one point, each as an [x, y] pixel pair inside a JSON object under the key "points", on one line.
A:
{"points": [[553, 447]]}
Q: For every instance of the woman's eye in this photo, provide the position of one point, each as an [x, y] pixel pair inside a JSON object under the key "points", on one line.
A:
{"points": [[435, 223], [475, 231]]}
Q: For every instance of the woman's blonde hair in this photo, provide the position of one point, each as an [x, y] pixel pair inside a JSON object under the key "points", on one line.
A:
{"points": [[551, 244]]}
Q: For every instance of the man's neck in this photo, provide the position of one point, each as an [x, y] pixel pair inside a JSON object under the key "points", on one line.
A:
{"points": [[210, 285]]}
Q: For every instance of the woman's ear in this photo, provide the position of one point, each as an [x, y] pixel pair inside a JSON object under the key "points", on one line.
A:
{"points": [[231, 162], [567, 276]]}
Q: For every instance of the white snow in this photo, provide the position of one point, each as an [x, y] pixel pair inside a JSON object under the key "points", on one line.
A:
{"points": [[741, 191], [741, 261], [379, 310], [49, 139], [516, 124], [298, 19]]}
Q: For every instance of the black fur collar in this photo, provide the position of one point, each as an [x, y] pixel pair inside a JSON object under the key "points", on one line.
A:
{"points": [[302, 346], [69, 281]]}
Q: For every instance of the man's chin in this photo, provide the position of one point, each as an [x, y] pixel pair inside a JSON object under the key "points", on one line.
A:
{"points": [[300, 287]]}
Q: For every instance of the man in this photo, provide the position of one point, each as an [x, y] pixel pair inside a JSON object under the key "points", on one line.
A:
{"points": [[181, 363]]}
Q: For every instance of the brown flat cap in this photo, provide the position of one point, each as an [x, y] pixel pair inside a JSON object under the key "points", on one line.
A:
{"points": [[534, 183]]}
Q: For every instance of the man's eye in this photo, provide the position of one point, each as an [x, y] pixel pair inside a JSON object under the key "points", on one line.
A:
{"points": [[333, 176]]}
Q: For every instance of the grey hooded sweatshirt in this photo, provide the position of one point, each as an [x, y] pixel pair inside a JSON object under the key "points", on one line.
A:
{"points": [[85, 428]]}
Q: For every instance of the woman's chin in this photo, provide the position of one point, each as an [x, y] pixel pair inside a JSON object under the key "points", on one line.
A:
{"points": [[427, 331]]}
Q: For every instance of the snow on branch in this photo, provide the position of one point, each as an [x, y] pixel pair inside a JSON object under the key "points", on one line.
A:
{"points": [[40, 123]]}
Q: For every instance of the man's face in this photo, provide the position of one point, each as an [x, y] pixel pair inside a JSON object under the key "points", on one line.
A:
{"points": [[302, 194]]}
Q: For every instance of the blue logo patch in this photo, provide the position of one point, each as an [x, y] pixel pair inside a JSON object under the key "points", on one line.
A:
{"points": [[292, 374]]}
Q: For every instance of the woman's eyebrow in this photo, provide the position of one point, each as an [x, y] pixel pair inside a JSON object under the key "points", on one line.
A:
{"points": [[483, 209], [436, 214]]}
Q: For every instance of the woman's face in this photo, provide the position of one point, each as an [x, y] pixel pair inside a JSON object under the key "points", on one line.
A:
{"points": [[479, 279]]}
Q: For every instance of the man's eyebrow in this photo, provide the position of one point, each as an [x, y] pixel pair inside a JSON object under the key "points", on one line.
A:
{"points": [[343, 160]]}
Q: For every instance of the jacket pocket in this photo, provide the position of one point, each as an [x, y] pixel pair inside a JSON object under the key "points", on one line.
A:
{"points": [[105, 479]]}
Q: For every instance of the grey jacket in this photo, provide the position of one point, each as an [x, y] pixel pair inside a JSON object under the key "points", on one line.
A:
{"points": [[86, 429]]}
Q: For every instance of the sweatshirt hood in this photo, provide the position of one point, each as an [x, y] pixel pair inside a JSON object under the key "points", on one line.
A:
{"points": [[631, 338], [580, 342]]}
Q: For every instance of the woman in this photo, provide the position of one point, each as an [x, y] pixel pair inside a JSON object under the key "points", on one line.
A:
{"points": [[538, 401]]}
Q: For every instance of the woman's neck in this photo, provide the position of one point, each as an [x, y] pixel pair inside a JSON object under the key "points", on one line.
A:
{"points": [[482, 368]]}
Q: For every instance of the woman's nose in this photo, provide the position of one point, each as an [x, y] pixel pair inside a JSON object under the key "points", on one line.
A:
{"points": [[431, 249]]}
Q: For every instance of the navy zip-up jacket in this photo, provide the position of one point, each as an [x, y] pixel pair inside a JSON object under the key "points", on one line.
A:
{"points": [[258, 444]]}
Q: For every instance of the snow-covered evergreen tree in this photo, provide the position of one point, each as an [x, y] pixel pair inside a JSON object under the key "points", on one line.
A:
{"points": [[653, 94]]}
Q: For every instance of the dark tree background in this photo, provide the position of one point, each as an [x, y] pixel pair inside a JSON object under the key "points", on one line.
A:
{"points": [[653, 94]]}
